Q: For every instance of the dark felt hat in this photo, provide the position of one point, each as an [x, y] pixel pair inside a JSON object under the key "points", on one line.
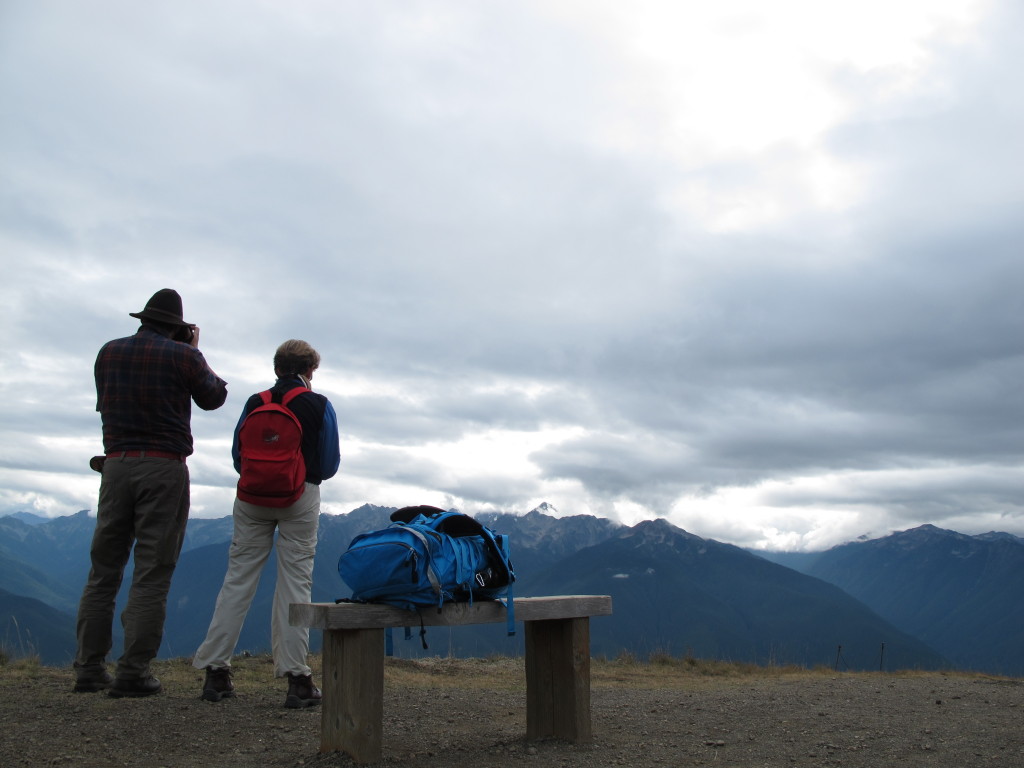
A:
{"points": [[163, 307]]}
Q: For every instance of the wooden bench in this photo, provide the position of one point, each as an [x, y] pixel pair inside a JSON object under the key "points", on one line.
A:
{"points": [[557, 642]]}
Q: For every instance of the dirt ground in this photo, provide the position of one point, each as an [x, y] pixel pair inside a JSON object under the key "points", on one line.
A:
{"points": [[457, 713]]}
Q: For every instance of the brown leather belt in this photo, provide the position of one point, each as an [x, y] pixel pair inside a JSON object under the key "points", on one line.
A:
{"points": [[145, 455]]}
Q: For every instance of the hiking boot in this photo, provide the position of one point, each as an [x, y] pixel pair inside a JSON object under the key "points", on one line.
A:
{"points": [[218, 684], [301, 692], [93, 682], [134, 687]]}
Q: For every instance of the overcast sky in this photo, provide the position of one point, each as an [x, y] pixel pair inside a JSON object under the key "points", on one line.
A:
{"points": [[753, 267]]}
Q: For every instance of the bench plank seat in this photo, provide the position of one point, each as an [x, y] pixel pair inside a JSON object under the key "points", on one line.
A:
{"points": [[557, 643], [371, 616]]}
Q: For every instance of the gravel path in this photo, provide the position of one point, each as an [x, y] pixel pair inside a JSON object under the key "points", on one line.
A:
{"points": [[851, 720]]}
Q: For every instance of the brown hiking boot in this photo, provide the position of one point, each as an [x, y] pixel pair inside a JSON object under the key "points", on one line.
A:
{"points": [[301, 692], [218, 684]]}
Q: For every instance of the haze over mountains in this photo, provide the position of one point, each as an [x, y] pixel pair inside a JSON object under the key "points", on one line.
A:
{"points": [[924, 598]]}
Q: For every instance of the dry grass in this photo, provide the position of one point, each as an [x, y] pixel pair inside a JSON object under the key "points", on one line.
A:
{"points": [[659, 672], [624, 671], [21, 667], [494, 673]]}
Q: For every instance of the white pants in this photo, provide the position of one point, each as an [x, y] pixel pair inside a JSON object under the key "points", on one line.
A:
{"points": [[251, 542]]}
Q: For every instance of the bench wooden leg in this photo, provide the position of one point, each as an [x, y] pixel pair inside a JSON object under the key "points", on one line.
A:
{"points": [[558, 679], [352, 720]]}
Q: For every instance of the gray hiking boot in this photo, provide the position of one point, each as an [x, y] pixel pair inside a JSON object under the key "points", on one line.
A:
{"points": [[134, 687]]}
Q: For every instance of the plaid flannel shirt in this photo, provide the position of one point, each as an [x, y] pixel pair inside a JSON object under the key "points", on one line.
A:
{"points": [[145, 385]]}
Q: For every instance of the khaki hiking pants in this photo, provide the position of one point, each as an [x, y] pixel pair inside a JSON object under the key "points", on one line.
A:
{"points": [[296, 528]]}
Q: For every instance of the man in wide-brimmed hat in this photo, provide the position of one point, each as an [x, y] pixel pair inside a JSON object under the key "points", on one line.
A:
{"points": [[145, 386]]}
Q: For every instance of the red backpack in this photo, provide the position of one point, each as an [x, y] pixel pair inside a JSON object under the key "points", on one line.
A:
{"points": [[270, 443]]}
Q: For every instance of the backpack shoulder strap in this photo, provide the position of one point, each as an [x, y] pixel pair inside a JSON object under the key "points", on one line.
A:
{"points": [[291, 394], [269, 396]]}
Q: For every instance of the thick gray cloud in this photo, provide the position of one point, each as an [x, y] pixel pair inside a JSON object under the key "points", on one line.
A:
{"points": [[535, 266]]}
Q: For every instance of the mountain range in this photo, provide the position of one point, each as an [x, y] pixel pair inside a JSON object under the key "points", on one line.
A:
{"points": [[960, 594], [924, 598]]}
